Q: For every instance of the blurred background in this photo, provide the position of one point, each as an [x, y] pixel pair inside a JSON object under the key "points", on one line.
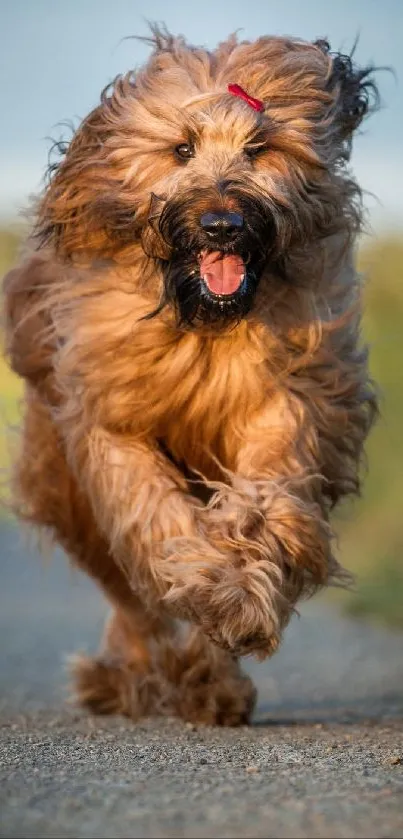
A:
{"points": [[56, 57]]}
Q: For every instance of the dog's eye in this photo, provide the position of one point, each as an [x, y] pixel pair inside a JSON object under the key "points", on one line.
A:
{"points": [[184, 151], [254, 150]]}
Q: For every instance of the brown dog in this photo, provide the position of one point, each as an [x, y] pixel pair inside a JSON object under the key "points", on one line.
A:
{"points": [[187, 321]]}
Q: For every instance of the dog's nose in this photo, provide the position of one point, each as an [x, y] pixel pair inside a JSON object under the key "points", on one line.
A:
{"points": [[221, 226]]}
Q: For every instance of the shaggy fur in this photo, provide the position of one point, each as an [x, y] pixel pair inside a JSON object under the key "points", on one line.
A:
{"points": [[186, 448]]}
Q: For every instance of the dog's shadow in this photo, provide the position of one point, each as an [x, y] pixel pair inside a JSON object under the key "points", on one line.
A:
{"points": [[328, 712]]}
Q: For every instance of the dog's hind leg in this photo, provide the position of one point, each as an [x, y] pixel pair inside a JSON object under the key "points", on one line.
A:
{"points": [[119, 679], [180, 676], [46, 495]]}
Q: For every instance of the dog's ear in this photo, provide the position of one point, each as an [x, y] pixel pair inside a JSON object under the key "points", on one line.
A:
{"points": [[353, 90], [88, 204], [25, 321]]}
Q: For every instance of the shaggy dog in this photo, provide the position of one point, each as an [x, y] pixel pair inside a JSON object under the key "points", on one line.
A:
{"points": [[186, 319]]}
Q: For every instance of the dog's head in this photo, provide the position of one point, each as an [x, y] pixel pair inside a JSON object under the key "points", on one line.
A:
{"points": [[216, 166]]}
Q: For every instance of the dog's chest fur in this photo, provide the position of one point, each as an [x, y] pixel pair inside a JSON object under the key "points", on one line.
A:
{"points": [[195, 394], [205, 393]]}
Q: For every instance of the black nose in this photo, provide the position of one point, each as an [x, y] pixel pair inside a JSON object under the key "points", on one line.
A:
{"points": [[221, 226]]}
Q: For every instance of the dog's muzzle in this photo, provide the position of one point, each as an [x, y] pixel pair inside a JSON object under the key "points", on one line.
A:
{"points": [[222, 273], [213, 260]]}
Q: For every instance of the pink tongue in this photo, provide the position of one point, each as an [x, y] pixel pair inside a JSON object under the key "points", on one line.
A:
{"points": [[222, 274]]}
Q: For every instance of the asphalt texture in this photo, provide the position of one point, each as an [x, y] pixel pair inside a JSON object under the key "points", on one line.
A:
{"points": [[324, 757]]}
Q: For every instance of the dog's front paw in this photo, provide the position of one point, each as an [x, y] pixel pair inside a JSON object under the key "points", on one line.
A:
{"points": [[240, 610]]}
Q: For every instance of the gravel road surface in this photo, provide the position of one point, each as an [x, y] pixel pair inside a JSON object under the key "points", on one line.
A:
{"points": [[323, 759]]}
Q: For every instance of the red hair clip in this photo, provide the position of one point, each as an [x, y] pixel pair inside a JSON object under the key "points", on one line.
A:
{"points": [[237, 90]]}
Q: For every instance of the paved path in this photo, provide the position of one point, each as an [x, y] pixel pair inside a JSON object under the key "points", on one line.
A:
{"points": [[324, 758]]}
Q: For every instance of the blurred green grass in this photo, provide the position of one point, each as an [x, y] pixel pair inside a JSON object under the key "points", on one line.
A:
{"points": [[10, 385], [371, 528]]}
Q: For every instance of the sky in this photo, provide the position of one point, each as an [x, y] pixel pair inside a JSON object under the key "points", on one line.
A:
{"points": [[57, 55]]}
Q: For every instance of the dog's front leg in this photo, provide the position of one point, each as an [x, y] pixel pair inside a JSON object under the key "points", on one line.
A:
{"points": [[270, 520], [194, 560], [274, 517], [277, 548], [232, 567], [156, 530]]}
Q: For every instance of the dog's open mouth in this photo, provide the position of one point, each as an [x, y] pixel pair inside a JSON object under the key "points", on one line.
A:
{"points": [[210, 287], [223, 274]]}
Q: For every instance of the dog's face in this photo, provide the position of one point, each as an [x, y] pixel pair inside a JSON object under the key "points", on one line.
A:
{"points": [[212, 222], [219, 192]]}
